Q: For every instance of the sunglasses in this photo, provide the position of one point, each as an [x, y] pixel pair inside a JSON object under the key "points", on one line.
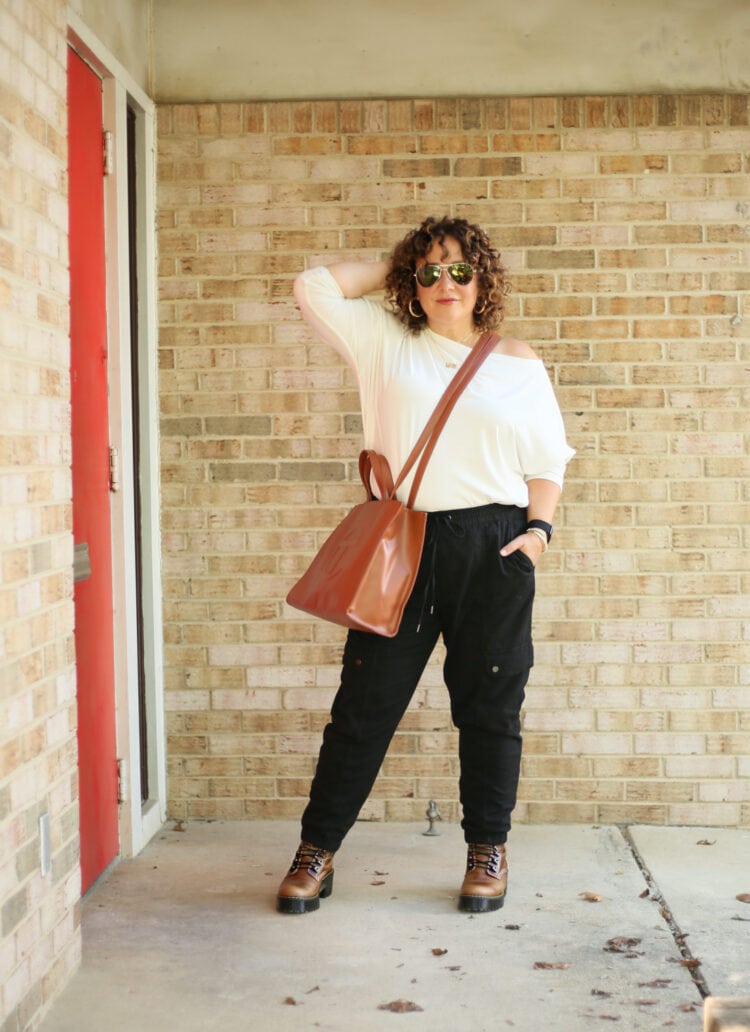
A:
{"points": [[460, 272]]}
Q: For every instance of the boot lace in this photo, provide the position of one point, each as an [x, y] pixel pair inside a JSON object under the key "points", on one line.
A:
{"points": [[487, 856], [310, 858]]}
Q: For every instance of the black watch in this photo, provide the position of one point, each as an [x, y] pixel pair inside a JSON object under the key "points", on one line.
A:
{"points": [[546, 527]]}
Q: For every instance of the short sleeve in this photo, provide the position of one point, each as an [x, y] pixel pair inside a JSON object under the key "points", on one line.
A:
{"points": [[542, 446], [353, 326]]}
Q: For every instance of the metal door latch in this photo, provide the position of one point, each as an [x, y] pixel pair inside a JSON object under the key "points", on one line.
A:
{"points": [[114, 470], [81, 562], [108, 152]]}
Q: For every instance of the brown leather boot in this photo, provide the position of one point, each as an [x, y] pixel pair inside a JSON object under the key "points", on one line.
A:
{"points": [[486, 878], [308, 880]]}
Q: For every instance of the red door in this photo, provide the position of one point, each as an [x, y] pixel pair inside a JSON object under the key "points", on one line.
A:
{"points": [[97, 757]]}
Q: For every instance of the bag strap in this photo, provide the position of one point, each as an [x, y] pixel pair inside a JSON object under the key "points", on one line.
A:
{"points": [[434, 426], [372, 463]]}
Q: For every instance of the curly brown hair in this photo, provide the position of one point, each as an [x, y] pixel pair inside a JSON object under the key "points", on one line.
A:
{"points": [[492, 285]]}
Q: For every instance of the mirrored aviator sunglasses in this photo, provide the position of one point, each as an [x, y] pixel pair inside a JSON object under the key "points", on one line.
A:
{"points": [[460, 272]]}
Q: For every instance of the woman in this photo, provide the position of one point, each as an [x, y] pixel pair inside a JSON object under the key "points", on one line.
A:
{"points": [[490, 489]]}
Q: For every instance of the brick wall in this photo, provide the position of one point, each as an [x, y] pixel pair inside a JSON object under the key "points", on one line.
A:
{"points": [[624, 223], [40, 938]]}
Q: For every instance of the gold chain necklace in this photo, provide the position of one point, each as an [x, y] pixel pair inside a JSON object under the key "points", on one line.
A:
{"points": [[453, 365]]}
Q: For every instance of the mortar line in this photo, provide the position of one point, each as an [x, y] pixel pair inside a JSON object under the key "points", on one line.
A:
{"points": [[666, 912]]}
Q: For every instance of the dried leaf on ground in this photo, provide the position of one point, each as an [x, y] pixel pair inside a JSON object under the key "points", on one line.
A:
{"points": [[400, 1006], [743, 897], [622, 944], [381, 874], [291, 1001], [600, 992], [591, 897], [644, 894], [687, 1007], [658, 983], [180, 826], [549, 965], [377, 883], [438, 951], [512, 928], [646, 1003], [688, 962], [315, 989], [706, 842]]}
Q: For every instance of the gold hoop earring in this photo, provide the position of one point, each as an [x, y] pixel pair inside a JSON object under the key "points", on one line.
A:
{"points": [[480, 311], [412, 313]]}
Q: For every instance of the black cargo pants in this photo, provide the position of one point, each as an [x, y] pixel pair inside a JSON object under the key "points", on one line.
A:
{"points": [[481, 603]]}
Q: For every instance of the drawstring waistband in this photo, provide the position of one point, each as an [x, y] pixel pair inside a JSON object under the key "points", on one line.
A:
{"points": [[435, 520], [429, 587], [455, 522]]}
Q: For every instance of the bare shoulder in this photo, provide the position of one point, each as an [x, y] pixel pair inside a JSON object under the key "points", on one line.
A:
{"points": [[515, 348]]}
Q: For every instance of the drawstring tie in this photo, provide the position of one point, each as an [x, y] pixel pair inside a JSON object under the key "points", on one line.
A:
{"points": [[434, 521]]}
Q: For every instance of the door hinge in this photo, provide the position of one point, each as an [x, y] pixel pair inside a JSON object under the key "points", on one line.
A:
{"points": [[114, 470], [108, 152], [123, 792]]}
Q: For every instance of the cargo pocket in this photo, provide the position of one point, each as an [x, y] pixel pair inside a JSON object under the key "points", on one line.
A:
{"points": [[360, 659], [366, 704], [493, 705], [503, 662]]}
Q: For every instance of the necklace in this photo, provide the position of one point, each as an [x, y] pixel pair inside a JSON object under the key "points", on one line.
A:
{"points": [[453, 365]]}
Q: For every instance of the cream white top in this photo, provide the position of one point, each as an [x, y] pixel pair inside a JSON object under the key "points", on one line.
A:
{"points": [[506, 427]]}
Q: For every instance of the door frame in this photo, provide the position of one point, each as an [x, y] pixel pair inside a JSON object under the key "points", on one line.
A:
{"points": [[138, 822]]}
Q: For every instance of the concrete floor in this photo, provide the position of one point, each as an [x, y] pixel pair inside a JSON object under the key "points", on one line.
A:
{"points": [[186, 937]]}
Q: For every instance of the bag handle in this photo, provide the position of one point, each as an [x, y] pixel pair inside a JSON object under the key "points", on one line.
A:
{"points": [[429, 436], [372, 462]]}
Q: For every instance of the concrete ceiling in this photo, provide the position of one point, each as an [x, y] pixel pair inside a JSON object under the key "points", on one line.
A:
{"points": [[214, 50]]}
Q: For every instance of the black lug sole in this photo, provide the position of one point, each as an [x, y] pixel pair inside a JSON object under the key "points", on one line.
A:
{"points": [[480, 904], [305, 904]]}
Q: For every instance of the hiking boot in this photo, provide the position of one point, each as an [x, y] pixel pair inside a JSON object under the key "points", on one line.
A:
{"points": [[486, 878], [308, 880]]}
